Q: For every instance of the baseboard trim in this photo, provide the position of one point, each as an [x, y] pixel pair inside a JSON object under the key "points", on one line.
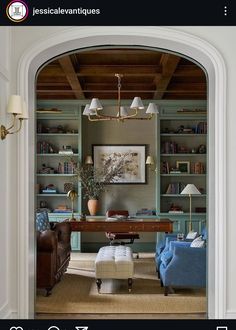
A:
{"points": [[230, 315], [7, 313]]}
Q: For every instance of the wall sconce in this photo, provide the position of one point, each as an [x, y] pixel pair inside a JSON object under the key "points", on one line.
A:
{"points": [[150, 162], [88, 160], [17, 107]]}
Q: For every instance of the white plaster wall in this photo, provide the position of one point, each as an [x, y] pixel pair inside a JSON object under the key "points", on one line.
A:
{"points": [[8, 226], [223, 39]]}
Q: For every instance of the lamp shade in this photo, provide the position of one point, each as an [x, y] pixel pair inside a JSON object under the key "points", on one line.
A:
{"points": [[24, 114], [137, 103], [123, 112], [95, 104], [88, 111], [152, 108], [149, 160], [15, 105], [190, 189], [88, 160]]}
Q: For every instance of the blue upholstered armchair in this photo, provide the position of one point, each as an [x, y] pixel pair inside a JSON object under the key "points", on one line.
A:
{"points": [[183, 266]]}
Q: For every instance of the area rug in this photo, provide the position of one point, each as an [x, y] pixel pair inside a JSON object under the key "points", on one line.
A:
{"points": [[77, 293]]}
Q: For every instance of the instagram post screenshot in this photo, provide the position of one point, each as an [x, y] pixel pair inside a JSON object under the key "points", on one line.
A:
{"points": [[117, 169]]}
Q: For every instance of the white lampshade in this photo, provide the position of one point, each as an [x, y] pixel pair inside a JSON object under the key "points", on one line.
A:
{"points": [[149, 160], [137, 103], [152, 108], [24, 114], [88, 111], [15, 104], [190, 189], [95, 104], [88, 160], [123, 112]]}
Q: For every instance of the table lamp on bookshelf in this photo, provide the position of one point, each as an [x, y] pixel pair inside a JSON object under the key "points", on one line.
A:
{"points": [[190, 190], [72, 194]]}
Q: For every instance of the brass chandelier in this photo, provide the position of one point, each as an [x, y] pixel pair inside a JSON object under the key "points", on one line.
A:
{"points": [[93, 110]]}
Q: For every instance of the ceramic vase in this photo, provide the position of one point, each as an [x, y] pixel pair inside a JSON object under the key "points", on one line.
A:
{"points": [[93, 206]]}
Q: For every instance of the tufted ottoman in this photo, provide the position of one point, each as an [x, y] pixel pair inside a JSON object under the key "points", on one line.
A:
{"points": [[114, 262]]}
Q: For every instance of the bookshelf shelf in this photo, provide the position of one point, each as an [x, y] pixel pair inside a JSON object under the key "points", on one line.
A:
{"points": [[183, 155], [182, 196], [56, 175], [182, 135], [183, 174], [57, 134], [52, 195]]}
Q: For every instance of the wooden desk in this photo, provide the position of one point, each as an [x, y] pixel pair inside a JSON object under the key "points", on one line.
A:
{"points": [[122, 226]]}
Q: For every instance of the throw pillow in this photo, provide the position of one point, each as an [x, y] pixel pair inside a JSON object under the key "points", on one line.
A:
{"points": [[198, 242], [42, 221], [191, 235]]}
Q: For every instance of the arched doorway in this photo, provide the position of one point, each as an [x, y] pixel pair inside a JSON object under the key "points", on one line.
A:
{"points": [[172, 40]]}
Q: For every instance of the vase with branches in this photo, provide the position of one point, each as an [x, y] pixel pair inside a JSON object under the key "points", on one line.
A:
{"points": [[94, 180]]}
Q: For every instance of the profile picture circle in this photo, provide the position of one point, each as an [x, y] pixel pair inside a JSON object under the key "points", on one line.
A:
{"points": [[17, 11]]}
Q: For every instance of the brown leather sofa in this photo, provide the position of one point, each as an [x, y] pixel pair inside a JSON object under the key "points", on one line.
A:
{"points": [[53, 254]]}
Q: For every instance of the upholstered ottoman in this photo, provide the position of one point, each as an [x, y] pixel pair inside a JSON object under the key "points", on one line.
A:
{"points": [[114, 262]]}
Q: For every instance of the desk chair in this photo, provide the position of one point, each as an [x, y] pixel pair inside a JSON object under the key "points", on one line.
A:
{"points": [[120, 238]]}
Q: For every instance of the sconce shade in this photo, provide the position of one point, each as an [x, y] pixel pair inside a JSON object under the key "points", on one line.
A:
{"points": [[149, 160], [24, 114], [190, 189], [88, 160], [95, 104], [15, 104], [123, 112], [137, 103], [152, 108]]}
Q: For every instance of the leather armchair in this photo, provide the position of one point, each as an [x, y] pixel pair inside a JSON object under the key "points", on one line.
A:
{"points": [[53, 254]]}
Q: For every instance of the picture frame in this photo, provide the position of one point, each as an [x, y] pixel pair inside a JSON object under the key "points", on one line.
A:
{"points": [[135, 170], [183, 166]]}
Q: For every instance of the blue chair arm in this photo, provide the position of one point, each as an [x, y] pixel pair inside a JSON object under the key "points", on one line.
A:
{"points": [[186, 268], [182, 244]]}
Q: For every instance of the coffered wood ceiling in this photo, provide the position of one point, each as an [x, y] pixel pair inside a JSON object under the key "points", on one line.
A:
{"points": [[148, 74]]}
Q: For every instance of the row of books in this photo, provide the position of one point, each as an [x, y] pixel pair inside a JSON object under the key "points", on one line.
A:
{"points": [[201, 128], [195, 168], [44, 147], [169, 147], [67, 168]]}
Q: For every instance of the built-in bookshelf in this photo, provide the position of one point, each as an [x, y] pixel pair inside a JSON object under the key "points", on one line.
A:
{"points": [[58, 152], [182, 160]]}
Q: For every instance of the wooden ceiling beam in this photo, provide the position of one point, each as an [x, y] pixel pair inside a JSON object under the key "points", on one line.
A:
{"points": [[67, 67], [126, 70], [169, 64]]}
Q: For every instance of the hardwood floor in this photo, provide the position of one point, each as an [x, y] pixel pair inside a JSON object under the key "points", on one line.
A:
{"points": [[121, 316]]}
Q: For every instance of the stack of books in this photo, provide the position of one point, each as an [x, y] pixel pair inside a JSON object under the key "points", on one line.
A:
{"points": [[62, 209]]}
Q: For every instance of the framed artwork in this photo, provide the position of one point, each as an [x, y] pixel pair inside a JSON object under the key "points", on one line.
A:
{"points": [[183, 167], [133, 156]]}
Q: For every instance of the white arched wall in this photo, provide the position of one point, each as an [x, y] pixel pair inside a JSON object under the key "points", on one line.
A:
{"points": [[172, 40]]}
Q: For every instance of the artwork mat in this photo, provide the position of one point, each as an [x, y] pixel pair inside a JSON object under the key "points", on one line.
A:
{"points": [[98, 151]]}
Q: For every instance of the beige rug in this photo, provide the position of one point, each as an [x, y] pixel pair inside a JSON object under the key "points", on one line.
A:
{"points": [[77, 293]]}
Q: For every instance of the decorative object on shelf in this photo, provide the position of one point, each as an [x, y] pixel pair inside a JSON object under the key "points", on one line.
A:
{"points": [[175, 209], [72, 195], [165, 167], [66, 150], [92, 110], [151, 163], [202, 149], [50, 189], [183, 167], [16, 107], [190, 190], [192, 111], [132, 158], [82, 217]]}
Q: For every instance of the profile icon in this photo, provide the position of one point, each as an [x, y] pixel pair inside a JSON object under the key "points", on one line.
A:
{"points": [[17, 11]]}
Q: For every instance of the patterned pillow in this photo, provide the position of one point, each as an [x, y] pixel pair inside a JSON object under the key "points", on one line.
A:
{"points": [[42, 221], [198, 242]]}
